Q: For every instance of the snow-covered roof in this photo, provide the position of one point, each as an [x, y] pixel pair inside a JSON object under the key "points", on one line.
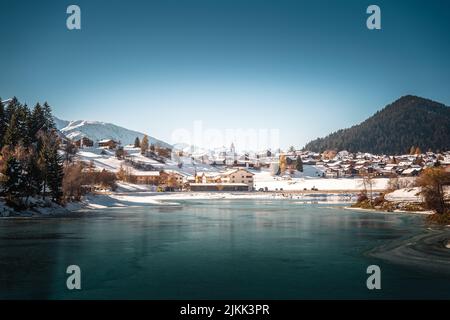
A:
{"points": [[231, 171], [335, 164], [106, 141], [184, 174], [411, 170], [208, 174], [144, 173]]}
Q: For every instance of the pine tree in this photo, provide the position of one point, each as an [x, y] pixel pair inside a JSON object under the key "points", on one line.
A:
{"points": [[12, 134], [15, 184], [37, 121], [144, 144], [30, 171], [42, 164], [51, 165], [55, 175], [22, 125], [11, 109], [49, 121], [35, 180], [137, 143], [17, 119], [299, 164]]}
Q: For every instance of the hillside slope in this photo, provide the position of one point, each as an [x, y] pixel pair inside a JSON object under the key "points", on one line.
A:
{"points": [[409, 121]]}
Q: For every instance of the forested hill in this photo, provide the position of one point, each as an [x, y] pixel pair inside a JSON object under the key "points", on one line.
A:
{"points": [[409, 121]]}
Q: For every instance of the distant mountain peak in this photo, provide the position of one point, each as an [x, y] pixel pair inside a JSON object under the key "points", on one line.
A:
{"points": [[97, 130], [409, 100], [408, 121]]}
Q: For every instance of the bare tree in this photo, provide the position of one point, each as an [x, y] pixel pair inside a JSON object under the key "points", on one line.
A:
{"points": [[367, 185], [432, 182]]}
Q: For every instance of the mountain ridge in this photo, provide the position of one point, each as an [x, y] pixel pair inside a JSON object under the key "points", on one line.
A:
{"points": [[408, 121], [98, 130]]}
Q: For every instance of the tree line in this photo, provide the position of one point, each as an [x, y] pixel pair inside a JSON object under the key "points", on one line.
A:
{"points": [[30, 163]]}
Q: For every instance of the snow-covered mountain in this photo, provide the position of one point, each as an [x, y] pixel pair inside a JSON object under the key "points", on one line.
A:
{"points": [[96, 130], [60, 124]]}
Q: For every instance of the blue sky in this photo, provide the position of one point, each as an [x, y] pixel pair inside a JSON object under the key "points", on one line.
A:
{"points": [[304, 67]]}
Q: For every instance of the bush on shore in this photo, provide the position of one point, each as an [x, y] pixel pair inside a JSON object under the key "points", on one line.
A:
{"points": [[439, 218], [432, 182], [380, 203]]}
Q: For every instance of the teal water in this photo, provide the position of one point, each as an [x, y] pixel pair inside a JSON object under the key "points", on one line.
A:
{"points": [[239, 249]]}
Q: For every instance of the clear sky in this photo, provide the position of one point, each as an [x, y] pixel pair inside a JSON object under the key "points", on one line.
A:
{"points": [[305, 68]]}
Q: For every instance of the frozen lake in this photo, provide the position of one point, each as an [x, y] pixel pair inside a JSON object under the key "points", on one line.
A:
{"points": [[216, 249]]}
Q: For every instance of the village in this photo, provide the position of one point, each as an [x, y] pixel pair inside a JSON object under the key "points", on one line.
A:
{"points": [[194, 169]]}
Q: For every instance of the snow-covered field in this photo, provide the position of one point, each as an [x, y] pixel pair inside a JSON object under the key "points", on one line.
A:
{"points": [[263, 179], [106, 159], [108, 162]]}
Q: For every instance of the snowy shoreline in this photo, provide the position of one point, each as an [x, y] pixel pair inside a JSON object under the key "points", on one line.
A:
{"points": [[388, 212], [134, 196], [131, 195], [133, 199]]}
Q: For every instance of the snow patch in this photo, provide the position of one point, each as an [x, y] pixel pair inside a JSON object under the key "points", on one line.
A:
{"points": [[405, 195]]}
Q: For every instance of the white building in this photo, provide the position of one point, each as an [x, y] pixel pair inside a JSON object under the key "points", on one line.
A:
{"points": [[238, 176]]}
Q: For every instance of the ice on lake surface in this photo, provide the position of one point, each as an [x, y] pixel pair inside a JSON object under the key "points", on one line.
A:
{"points": [[223, 249]]}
